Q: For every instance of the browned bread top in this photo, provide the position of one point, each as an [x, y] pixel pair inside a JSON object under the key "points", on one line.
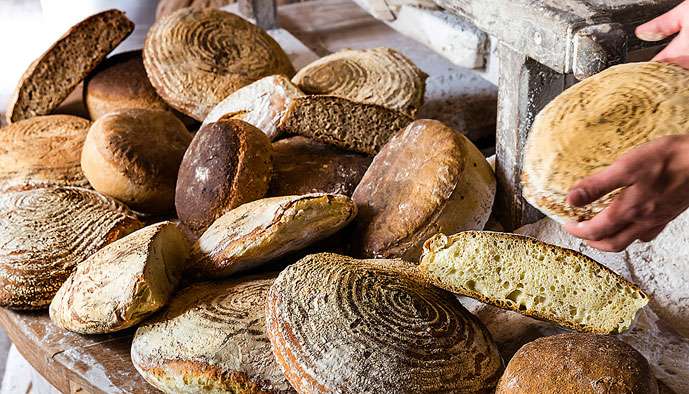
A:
{"points": [[167, 7], [55, 74]]}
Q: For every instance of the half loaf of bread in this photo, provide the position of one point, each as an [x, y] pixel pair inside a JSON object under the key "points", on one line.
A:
{"points": [[534, 278]]}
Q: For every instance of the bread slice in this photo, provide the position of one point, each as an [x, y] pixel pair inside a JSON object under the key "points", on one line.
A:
{"points": [[344, 123], [55, 74], [534, 278]]}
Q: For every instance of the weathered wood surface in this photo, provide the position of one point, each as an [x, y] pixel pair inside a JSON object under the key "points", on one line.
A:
{"points": [[264, 12]]}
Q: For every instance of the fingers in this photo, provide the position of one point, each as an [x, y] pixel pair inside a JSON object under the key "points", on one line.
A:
{"points": [[651, 234], [663, 26], [677, 51], [621, 240], [592, 188]]}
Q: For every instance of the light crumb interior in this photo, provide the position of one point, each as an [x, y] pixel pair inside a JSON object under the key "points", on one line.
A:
{"points": [[534, 278]]}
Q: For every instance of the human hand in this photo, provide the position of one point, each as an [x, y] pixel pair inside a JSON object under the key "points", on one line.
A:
{"points": [[673, 21], [655, 176]]}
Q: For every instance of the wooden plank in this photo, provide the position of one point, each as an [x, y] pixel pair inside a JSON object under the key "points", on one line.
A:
{"points": [[264, 12]]}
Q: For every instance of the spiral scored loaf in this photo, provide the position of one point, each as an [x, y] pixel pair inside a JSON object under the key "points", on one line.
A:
{"points": [[45, 232], [196, 58], [262, 230], [55, 74], [590, 125], [337, 324], [42, 151], [122, 283], [211, 338], [380, 76]]}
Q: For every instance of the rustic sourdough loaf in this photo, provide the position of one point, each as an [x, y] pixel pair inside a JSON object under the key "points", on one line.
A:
{"points": [[337, 324], [167, 7], [261, 104], [133, 155], [427, 179], [577, 364], [346, 124], [227, 164], [196, 58], [590, 125], [211, 338], [302, 166], [120, 285], [55, 74], [380, 76], [534, 278], [42, 151], [266, 229], [45, 233]]}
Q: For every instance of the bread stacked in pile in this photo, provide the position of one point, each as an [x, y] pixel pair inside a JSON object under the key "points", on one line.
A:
{"points": [[282, 167]]}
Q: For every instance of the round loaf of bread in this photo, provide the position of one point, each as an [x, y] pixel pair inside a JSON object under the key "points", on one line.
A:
{"points": [[211, 338], [269, 228], [261, 104], [42, 151], [227, 164], [302, 166], [45, 233], [577, 364], [121, 284], [196, 58], [380, 76], [590, 125], [133, 155], [167, 7], [337, 324], [427, 179]]}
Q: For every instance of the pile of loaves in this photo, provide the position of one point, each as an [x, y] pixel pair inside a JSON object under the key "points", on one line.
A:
{"points": [[282, 167]]}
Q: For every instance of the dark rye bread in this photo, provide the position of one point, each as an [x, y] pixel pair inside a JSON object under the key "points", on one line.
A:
{"points": [[346, 124], [302, 166], [55, 74], [577, 364], [226, 165]]}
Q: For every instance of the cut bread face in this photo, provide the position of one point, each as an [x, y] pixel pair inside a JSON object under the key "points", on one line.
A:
{"points": [[534, 278]]}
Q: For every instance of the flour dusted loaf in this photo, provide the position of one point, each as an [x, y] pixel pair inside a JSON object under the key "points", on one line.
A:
{"points": [[266, 229], [341, 122], [534, 278], [577, 364], [211, 338], [227, 164], [133, 155], [123, 283], [45, 233], [55, 74], [590, 125], [302, 166], [196, 58], [261, 104], [42, 151], [427, 179], [337, 324], [380, 76]]}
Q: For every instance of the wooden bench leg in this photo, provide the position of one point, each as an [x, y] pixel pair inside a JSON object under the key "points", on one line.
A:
{"points": [[264, 12]]}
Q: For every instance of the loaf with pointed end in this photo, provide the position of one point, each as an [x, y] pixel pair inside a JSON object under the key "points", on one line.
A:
{"points": [[534, 278], [227, 164], [380, 76], [266, 229], [55, 74], [120, 285], [211, 338], [337, 324], [590, 125], [261, 104], [578, 364], [45, 233], [427, 179], [196, 58], [133, 155], [42, 151], [302, 166], [349, 125]]}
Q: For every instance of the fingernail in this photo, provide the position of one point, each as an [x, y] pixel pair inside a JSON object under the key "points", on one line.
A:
{"points": [[649, 36], [579, 196]]}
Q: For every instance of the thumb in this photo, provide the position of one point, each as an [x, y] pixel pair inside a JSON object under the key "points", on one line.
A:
{"points": [[599, 184], [663, 26]]}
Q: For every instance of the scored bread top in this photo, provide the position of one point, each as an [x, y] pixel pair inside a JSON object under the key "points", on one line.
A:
{"points": [[55, 74], [588, 126], [380, 76], [196, 58], [42, 151]]}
